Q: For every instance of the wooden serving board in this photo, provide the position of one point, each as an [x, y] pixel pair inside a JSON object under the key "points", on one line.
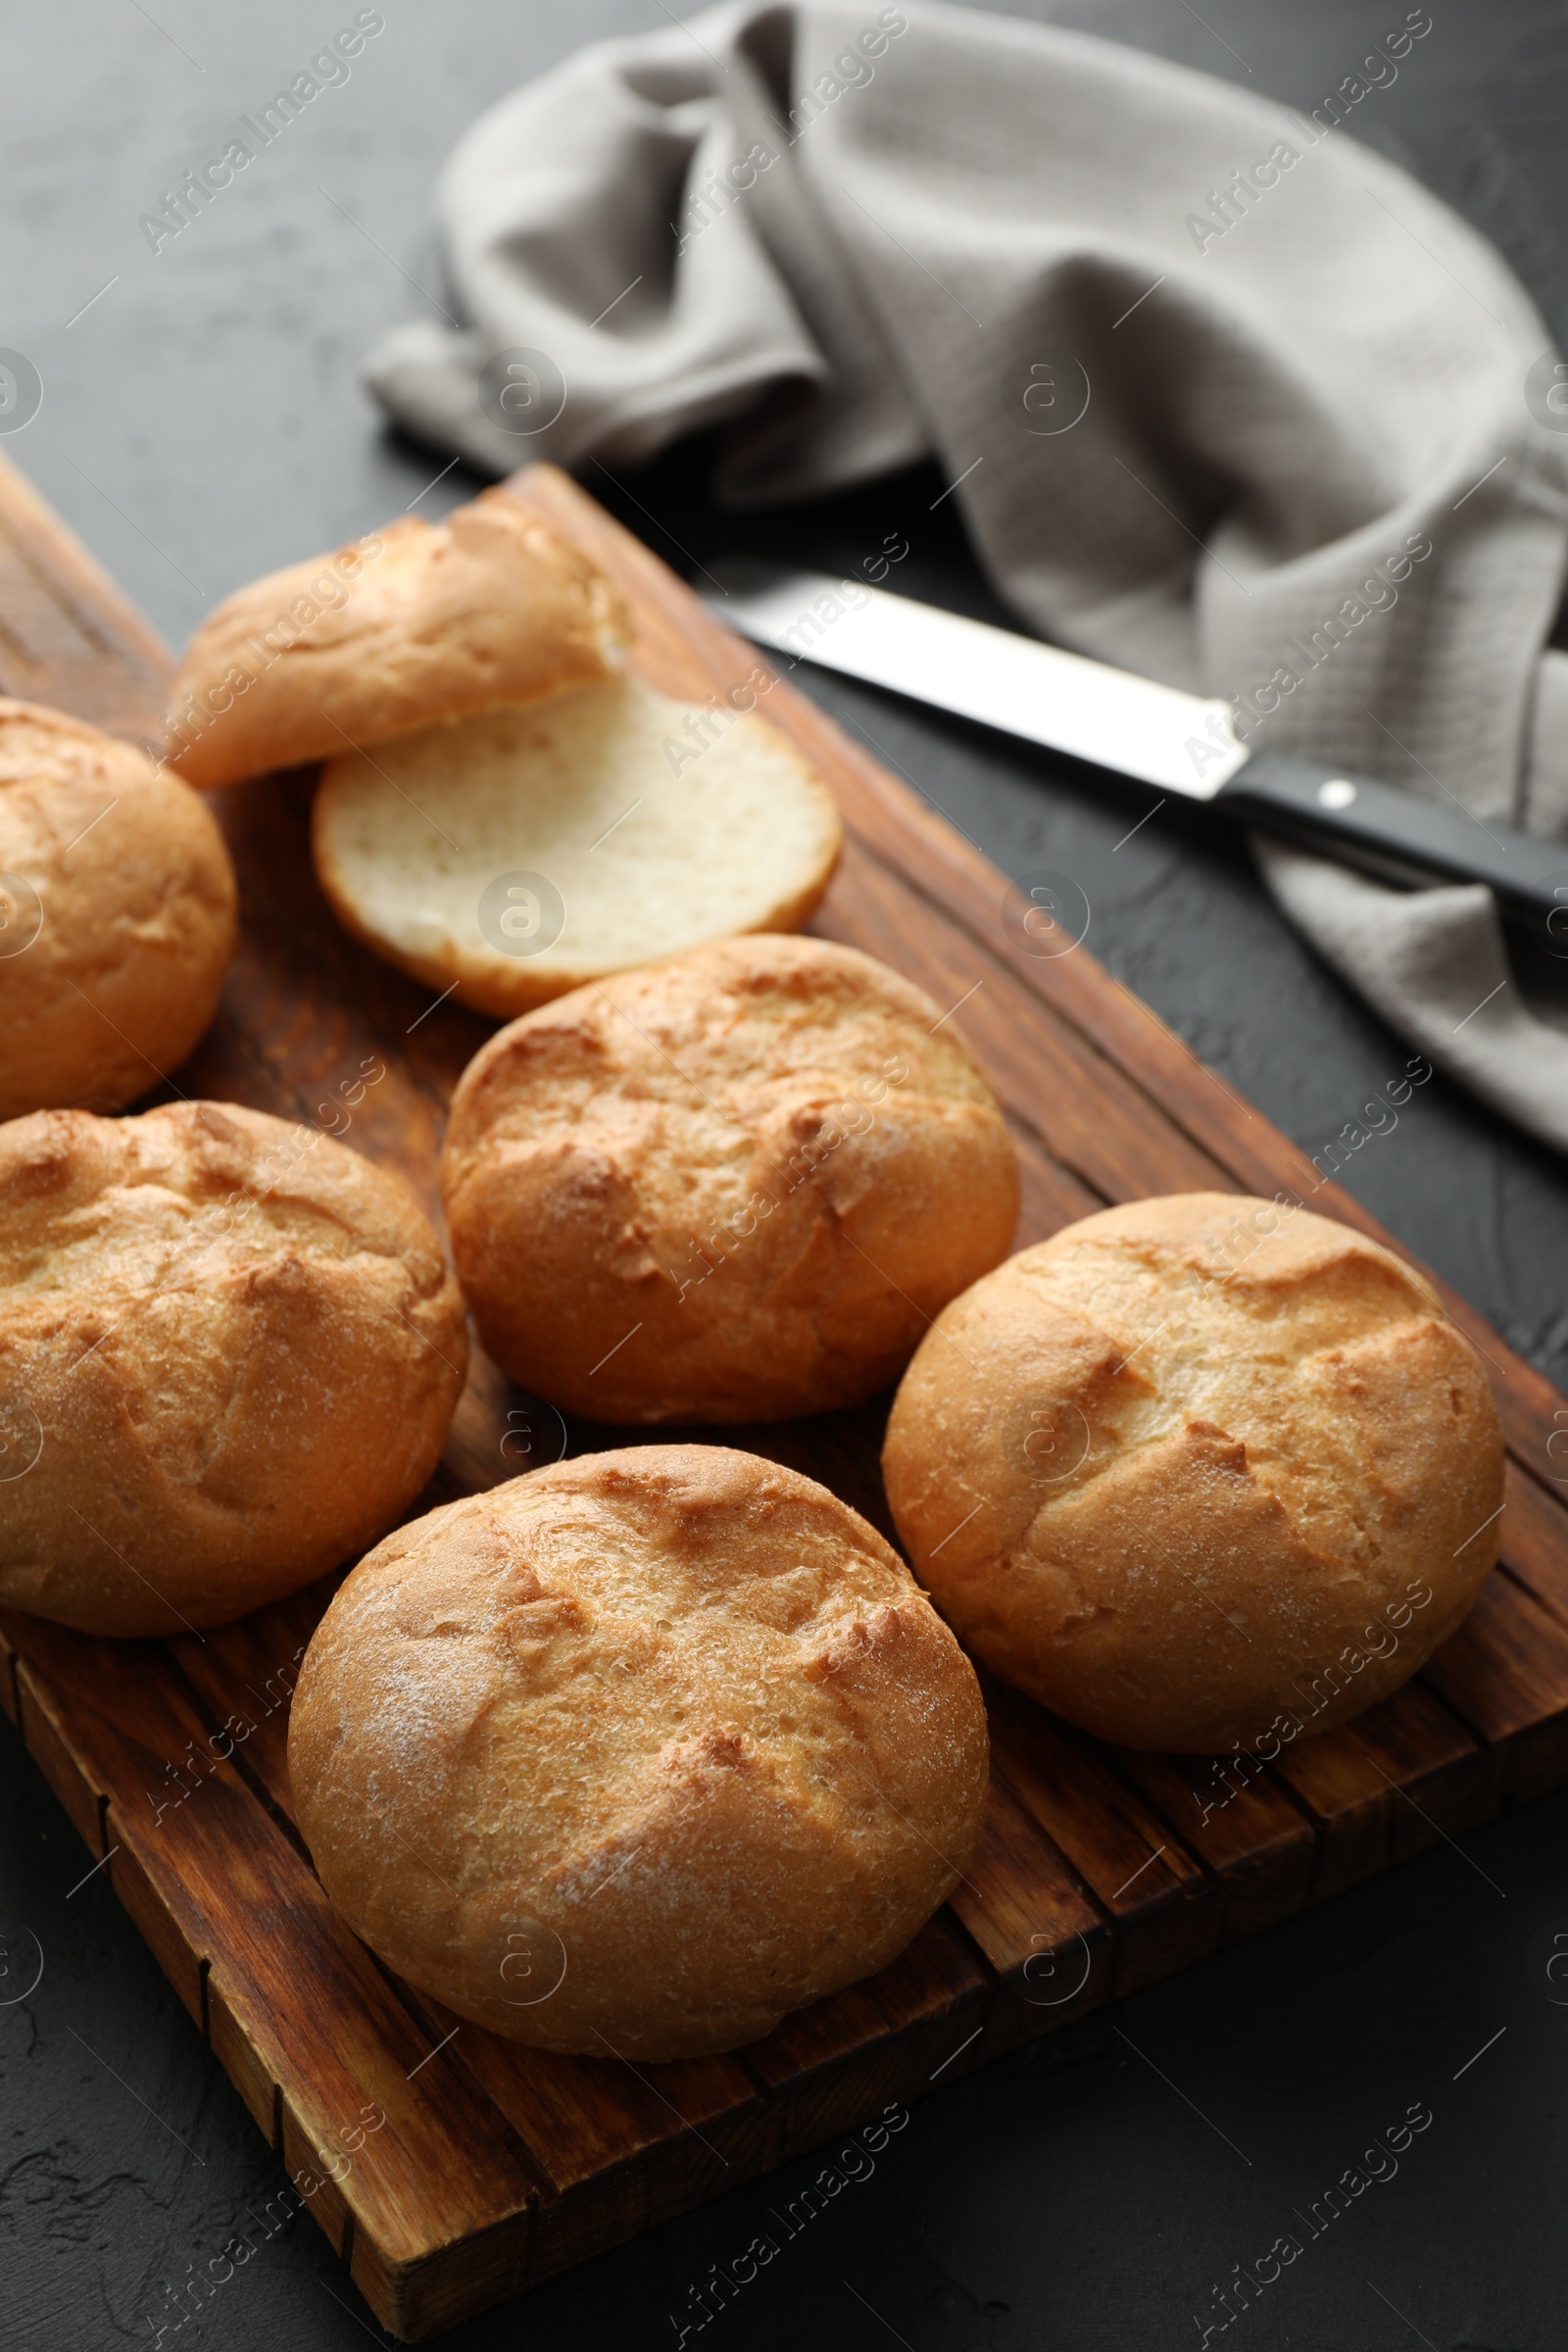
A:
{"points": [[1098, 1871]]}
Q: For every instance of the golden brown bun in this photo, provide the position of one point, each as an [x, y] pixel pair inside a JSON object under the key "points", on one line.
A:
{"points": [[636, 1754], [229, 1353], [617, 842], [420, 623], [1198, 1470], [116, 916], [650, 1213]]}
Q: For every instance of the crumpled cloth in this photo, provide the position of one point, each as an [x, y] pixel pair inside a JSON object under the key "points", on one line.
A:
{"points": [[1228, 398]]}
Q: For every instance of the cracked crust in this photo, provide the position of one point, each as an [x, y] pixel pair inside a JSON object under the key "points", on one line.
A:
{"points": [[638, 1753], [1188, 1468], [732, 1187], [229, 1353], [418, 623], [116, 916]]}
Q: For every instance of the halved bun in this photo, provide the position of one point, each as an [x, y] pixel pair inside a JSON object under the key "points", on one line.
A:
{"points": [[412, 624], [514, 856]]}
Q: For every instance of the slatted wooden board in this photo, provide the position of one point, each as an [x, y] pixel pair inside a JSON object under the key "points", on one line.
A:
{"points": [[1098, 1870]]}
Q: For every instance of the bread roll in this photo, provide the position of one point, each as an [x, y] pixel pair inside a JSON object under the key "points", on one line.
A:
{"points": [[116, 916], [513, 857], [418, 622], [728, 1188], [633, 1756], [229, 1353], [1199, 1472]]}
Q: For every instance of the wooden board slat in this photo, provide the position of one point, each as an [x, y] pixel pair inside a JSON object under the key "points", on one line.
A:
{"points": [[1029, 1914], [293, 2001], [67, 637], [1096, 1870], [1387, 1783], [1242, 1825], [1505, 1675], [1534, 1540], [1161, 1903]]}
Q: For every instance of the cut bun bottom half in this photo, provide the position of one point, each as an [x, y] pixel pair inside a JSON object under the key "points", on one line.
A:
{"points": [[510, 857]]}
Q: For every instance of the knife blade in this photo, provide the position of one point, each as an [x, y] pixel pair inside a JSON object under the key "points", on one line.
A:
{"points": [[1181, 743]]}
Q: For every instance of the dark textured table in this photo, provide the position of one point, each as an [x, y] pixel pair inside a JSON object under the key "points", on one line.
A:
{"points": [[202, 422]]}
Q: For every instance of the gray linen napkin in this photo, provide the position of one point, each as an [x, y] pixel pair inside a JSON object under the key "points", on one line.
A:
{"points": [[1228, 399]]}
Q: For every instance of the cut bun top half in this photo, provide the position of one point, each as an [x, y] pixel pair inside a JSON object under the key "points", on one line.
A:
{"points": [[413, 624], [506, 811]]}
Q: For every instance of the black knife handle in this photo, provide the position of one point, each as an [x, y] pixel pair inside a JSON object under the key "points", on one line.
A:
{"points": [[1394, 834]]}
